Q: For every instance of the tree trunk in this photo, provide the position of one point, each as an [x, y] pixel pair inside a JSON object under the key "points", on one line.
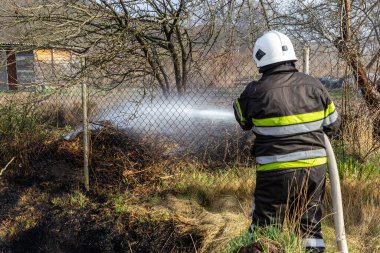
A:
{"points": [[175, 60], [368, 88], [155, 65], [348, 50]]}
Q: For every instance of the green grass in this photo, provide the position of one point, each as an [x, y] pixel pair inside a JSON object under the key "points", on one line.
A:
{"points": [[359, 194], [336, 94], [75, 199], [269, 237], [120, 205], [78, 199], [241, 240], [354, 167]]}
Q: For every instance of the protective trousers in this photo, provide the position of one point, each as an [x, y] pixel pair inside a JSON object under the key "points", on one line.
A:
{"points": [[295, 196]]}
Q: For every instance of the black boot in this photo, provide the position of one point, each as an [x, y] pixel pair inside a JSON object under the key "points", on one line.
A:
{"points": [[315, 250]]}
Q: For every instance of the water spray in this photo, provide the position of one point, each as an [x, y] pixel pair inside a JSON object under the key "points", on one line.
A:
{"points": [[156, 115], [227, 116], [212, 114]]}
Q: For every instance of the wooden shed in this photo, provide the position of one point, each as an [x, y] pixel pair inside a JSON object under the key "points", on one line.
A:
{"points": [[23, 65]]}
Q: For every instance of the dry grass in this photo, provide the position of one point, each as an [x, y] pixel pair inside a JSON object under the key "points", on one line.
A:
{"points": [[21, 131], [361, 204], [24, 216], [28, 120], [209, 189], [213, 204], [64, 111], [118, 161], [359, 132]]}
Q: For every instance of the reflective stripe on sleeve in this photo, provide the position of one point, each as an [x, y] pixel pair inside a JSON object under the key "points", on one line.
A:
{"points": [[239, 112], [313, 243], [330, 119], [330, 109], [293, 164], [286, 130], [300, 155]]}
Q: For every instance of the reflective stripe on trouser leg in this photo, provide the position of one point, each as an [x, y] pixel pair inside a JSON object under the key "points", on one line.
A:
{"points": [[313, 243], [305, 163], [253, 225], [300, 155]]}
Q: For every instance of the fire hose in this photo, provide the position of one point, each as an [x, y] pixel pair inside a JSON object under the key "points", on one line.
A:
{"points": [[340, 233]]}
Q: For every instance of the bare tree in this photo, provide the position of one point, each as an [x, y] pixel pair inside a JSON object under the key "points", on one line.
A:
{"points": [[352, 27], [121, 40]]}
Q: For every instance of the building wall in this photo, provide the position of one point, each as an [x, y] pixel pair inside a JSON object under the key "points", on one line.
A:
{"points": [[42, 66], [51, 65], [25, 67]]}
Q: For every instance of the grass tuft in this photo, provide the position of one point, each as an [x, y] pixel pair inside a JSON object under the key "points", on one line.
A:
{"points": [[266, 239], [206, 186]]}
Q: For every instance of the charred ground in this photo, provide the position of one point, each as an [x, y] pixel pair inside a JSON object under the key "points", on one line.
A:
{"points": [[128, 209]]}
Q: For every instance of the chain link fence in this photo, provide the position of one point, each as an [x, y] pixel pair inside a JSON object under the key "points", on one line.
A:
{"points": [[199, 123]]}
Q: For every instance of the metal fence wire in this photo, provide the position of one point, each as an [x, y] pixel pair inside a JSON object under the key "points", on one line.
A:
{"points": [[201, 116], [198, 123]]}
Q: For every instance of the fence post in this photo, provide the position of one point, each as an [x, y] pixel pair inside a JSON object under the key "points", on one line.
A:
{"points": [[306, 55], [85, 128]]}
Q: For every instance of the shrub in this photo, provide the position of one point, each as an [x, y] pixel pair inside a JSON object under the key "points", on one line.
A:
{"points": [[21, 131]]}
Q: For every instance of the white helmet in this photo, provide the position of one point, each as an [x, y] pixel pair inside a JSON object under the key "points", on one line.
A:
{"points": [[273, 47]]}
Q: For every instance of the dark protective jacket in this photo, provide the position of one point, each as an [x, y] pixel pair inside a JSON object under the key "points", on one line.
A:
{"points": [[288, 111]]}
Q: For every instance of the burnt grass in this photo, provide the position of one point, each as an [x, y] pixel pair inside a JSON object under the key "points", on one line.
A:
{"points": [[96, 229], [33, 220]]}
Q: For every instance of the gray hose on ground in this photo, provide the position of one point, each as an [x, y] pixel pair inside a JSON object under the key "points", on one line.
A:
{"points": [[340, 233]]}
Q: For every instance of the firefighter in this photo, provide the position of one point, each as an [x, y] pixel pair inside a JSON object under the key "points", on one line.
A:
{"points": [[289, 112]]}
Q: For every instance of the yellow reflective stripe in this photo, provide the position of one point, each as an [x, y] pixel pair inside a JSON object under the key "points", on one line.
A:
{"points": [[330, 109], [294, 164], [240, 112], [295, 119], [289, 120]]}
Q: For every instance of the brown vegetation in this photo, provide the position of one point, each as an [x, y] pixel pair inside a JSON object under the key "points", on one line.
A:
{"points": [[137, 192], [146, 196]]}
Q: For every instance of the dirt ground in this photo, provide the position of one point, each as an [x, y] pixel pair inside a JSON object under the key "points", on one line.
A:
{"points": [[40, 215], [46, 209], [138, 202]]}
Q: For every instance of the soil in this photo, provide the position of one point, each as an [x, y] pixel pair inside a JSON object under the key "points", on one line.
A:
{"points": [[32, 221], [46, 209], [93, 228]]}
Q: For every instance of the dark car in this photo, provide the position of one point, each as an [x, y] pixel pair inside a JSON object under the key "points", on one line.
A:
{"points": [[332, 82]]}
